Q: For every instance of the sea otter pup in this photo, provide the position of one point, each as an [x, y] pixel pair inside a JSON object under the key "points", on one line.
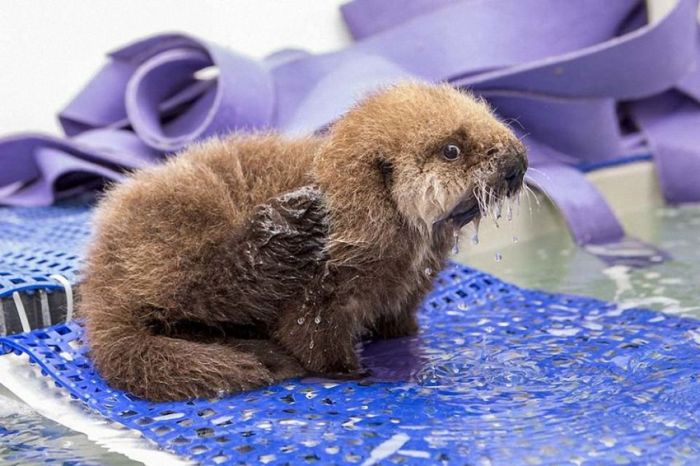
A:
{"points": [[256, 258]]}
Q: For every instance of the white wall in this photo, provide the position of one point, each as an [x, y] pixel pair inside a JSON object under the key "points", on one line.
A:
{"points": [[48, 49]]}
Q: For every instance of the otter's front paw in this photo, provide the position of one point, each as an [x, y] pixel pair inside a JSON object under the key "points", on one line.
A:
{"points": [[358, 374], [322, 352], [404, 325], [330, 360]]}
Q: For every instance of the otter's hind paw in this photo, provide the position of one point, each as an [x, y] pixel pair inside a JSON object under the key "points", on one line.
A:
{"points": [[293, 223], [301, 205]]}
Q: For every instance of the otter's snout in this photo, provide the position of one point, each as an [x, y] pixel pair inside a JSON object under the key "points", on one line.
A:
{"points": [[515, 173], [513, 166]]}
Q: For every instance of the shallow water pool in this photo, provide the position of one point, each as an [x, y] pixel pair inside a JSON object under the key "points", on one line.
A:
{"points": [[553, 263], [27, 438]]}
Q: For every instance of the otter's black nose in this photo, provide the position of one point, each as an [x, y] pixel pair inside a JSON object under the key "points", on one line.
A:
{"points": [[514, 171]]}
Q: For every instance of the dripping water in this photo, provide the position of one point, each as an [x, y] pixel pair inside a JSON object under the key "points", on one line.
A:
{"points": [[475, 236], [455, 238]]}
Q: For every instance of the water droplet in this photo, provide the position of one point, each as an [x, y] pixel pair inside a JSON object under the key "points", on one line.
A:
{"points": [[317, 319], [510, 213], [475, 236], [311, 345], [428, 271], [515, 239], [499, 257], [300, 320], [462, 306], [608, 441]]}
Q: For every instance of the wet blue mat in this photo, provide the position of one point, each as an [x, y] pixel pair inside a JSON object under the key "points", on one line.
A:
{"points": [[37, 242], [498, 375]]}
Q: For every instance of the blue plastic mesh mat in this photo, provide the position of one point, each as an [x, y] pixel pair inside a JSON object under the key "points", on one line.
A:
{"points": [[38, 242], [498, 375]]}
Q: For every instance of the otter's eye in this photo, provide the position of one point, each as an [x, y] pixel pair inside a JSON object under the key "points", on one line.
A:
{"points": [[451, 152]]}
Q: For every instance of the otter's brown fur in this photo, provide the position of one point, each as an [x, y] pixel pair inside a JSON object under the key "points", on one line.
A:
{"points": [[256, 258]]}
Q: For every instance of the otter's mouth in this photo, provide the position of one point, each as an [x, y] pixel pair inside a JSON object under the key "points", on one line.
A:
{"points": [[464, 212]]}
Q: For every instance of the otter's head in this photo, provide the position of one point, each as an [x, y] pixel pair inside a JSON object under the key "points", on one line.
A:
{"points": [[440, 154]]}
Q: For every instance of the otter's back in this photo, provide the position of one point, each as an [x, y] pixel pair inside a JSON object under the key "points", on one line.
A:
{"points": [[259, 167]]}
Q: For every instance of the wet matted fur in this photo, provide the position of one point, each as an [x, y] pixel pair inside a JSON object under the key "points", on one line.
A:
{"points": [[251, 259]]}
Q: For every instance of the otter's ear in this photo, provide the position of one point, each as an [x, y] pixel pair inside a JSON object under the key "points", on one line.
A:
{"points": [[386, 169]]}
